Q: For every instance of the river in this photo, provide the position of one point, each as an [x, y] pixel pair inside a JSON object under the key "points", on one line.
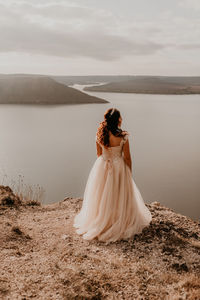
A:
{"points": [[54, 146]]}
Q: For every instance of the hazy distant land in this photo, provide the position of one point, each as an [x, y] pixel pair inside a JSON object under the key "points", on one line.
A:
{"points": [[93, 79], [151, 85], [50, 89], [39, 89]]}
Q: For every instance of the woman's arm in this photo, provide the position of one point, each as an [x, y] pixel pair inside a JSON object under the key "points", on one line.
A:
{"points": [[99, 149], [127, 155]]}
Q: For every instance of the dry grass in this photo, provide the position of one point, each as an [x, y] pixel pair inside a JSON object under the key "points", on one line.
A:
{"points": [[28, 194], [53, 262]]}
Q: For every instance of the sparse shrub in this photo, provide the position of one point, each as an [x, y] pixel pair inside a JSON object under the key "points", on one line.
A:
{"points": [[20, 193], [8, 198]]}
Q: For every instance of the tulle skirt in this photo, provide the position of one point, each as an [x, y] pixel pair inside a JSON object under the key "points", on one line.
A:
{"points": [[112, 207]]}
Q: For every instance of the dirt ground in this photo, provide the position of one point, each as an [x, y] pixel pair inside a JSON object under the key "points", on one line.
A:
{"points": [[42, 257]]}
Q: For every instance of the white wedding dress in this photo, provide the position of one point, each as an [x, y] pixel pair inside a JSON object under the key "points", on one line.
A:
{"points": [[112, 208]]}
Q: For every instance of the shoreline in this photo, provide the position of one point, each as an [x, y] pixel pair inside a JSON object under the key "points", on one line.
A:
{"points": [[139, 92]]}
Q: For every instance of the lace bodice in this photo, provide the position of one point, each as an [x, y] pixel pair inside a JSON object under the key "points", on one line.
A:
{"points": [[114, 153]]}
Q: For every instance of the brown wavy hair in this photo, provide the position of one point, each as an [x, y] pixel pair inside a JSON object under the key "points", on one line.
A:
{"points": [[110, 123]]}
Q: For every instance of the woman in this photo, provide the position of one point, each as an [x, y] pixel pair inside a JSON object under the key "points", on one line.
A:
{"points": [[112, 208]]}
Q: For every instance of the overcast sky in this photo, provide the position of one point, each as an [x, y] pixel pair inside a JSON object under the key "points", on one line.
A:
{"points": [[94, 37]]}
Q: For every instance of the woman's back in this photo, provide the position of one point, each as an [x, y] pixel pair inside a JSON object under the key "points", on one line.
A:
{"points": [[114, 140], [114, 152]]}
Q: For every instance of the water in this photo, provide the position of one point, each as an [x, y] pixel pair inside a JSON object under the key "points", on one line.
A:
{"points": [[55, 146]]}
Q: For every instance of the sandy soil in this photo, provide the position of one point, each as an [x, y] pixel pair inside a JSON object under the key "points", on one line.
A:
{"points": [[42, 257]]}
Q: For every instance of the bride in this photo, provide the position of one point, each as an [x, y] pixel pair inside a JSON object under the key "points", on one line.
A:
{"points": [[112, 207]]}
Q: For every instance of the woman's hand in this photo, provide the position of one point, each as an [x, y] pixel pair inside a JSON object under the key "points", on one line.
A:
{"points": [[127, 155]]}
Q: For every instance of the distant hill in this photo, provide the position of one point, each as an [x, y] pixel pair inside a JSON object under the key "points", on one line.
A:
{"points": [[70, 80], [39, 89], [151, 85]]}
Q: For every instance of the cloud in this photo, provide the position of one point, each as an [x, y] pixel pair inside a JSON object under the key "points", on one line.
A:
{"points": [[189, 46], [192, 4], [67, 30]]}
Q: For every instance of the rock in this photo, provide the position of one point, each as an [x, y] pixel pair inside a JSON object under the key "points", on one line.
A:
{"points": [[156, 203], [194, 235], [180, 267], [168, 250]]}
